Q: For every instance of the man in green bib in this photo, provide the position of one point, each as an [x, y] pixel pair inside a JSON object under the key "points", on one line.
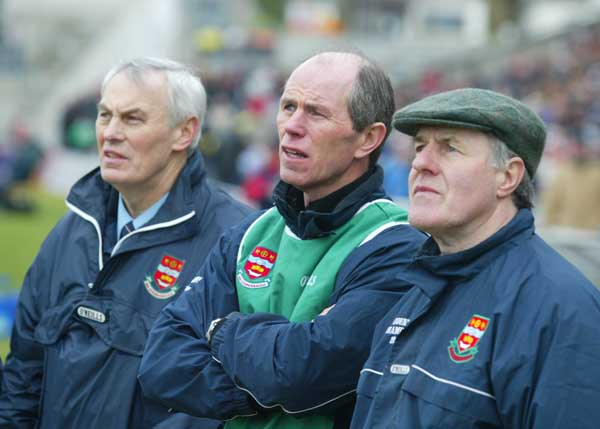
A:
{"points": [[274, 329]]}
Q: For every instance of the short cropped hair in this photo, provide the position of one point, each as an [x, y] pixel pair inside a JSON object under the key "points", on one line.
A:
{"points": [[371, 100], [524, 195], [186, 93]]}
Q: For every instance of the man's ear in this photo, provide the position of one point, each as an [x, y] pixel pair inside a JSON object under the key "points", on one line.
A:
{"points": [[187, 130], [373, 137], [509, 178]]}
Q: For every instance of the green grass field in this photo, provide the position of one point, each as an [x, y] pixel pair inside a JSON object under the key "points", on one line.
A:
{"points": [[21, 236]]}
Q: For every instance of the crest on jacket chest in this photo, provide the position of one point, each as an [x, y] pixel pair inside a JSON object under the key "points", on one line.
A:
{"points": [[163, 283], [464, 347], [258, 266]]}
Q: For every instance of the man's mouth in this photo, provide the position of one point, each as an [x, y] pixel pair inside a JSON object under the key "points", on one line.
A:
{"points": [[113, 155], [294, 153], [420, 188]]}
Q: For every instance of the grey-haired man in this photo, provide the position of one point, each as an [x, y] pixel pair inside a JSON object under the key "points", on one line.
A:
{"points": [[139, 226]]}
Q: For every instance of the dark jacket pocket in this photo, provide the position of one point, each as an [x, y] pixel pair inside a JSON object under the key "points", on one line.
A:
{"points": [[449, 397]]}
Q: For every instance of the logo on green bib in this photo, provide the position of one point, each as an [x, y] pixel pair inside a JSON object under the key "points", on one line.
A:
{"points": [[258, 265]]}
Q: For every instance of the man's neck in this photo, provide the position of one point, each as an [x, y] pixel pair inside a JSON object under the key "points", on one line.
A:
{"points": [[328, 203], [139, 198], [357, 169], [470, 235]]}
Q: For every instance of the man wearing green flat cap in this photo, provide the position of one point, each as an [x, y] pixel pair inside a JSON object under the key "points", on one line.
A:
{"points": [[499, 331]]}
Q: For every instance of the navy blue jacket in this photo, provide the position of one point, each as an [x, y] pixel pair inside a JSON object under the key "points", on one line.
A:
{"points": [[503, 335], [88, 302], [262, 361]]}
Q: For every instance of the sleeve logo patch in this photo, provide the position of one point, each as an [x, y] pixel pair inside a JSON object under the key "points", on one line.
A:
{"points": [[162, 284], [464, 347]]}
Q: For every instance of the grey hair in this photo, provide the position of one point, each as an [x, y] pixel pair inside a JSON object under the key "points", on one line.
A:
{"points": [[524, 195], [186, 93], [371, 100]]}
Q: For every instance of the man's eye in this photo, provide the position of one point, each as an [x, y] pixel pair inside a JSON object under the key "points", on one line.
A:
{"points": [[103, 115], [419, 147], [316, 112], [288, 107]]}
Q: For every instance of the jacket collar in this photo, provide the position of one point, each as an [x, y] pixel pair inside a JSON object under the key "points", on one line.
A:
{"points": [[98, 200], [323, 217], [431, 271]]}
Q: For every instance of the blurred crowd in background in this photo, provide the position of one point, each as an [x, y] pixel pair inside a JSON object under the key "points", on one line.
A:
{"points": [[561, 82], [560, 79]]}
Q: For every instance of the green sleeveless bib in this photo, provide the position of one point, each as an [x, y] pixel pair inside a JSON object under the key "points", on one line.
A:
{"points": [[279, 273]]}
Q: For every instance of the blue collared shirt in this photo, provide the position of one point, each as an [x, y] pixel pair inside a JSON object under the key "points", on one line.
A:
{"points": [[123, 215]]}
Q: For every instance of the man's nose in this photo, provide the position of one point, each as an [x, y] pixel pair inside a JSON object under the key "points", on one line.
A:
{"points": [[113, 130], [426, 159], [295, 125]]}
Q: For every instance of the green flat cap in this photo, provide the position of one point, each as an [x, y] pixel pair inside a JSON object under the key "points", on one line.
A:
{"points": [[508, 119]]}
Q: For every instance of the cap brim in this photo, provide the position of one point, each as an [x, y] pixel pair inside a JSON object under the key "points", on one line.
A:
{"points": [[411, 126]]}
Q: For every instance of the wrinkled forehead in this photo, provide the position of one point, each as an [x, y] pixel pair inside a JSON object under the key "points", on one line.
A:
{"points": [[123, 92]]}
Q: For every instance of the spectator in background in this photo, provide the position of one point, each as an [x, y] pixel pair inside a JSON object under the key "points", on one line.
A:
{"points": [[20, 160], [258, 165], [499, 331], [395, 162], [139, 226], [276, 325], [572, 197]]}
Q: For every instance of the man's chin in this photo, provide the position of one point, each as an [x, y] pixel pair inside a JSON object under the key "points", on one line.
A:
{"points": [[112, 177], [423, 220], [291, 178]]}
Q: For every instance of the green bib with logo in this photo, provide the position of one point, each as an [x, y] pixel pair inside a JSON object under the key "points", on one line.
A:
{"points": [[279, 273]]}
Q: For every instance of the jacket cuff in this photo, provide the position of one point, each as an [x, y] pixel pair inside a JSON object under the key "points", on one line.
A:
{"points": [[218, 335], [242, 402]]}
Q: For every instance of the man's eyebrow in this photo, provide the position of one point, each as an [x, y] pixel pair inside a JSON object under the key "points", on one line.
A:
{"points": [[418, 139], [448, 139], [316, 106], [133, 110], [286, 100]]}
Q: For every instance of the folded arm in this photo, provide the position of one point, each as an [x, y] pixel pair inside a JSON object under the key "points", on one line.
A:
{"points": [[308, 366]]}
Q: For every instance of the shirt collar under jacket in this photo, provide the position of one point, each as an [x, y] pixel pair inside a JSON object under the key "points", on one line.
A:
{"points": [[124, 217], [98, 199], [323, 216]]}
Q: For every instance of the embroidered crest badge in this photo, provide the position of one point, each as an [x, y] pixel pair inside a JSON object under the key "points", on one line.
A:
{"points": [[258, 265], [162, 284], [464, 347], [260, 262]]}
